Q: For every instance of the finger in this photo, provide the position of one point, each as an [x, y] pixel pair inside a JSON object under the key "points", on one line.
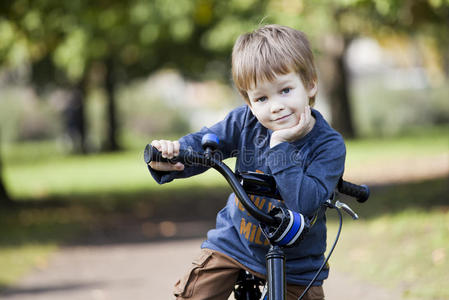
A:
{"points": [[308, 115], [170, 149], [164, 148], [301, 121], [165, 166], [179, 166], [176, 148], [156, 144]]}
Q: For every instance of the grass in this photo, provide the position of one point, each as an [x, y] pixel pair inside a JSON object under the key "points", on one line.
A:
{"points": [[416, 144], [29, 236], [19, 260], [96, 174], [401, 242], [32, 172]]}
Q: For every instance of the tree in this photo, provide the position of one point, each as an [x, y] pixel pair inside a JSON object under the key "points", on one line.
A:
{"points": [[32, 38], [337, 84], [332, 25], [125, 40], [120, 41], [5, 200]]}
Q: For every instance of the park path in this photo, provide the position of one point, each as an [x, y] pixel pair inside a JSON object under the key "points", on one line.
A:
{"points": [[141, 271]]}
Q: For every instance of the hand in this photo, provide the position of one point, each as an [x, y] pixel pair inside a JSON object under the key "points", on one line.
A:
{"points": [[169, 149], [296, 132]]}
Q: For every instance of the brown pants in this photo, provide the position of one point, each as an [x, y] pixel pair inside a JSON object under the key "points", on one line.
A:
{"points": [[212, 275]]}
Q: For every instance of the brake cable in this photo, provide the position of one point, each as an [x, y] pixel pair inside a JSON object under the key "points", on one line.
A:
{"points": [[330, 205]]}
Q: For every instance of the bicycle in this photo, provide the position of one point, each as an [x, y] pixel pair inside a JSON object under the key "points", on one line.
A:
{"points": [[282, 227]]}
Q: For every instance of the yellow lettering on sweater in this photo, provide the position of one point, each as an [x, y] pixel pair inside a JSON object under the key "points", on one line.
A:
{"points": [[252, 232]]}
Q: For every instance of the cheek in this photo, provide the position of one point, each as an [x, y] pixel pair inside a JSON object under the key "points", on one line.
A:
{"points": [[260, 112], [300, 105], [267, 115]]}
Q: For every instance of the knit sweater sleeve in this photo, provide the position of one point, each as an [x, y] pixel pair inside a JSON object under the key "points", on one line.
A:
{"points": [[228, 132], [305, 184]]}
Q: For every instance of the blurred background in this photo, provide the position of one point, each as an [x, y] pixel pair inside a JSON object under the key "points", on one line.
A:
{"points": [[85, 85]]}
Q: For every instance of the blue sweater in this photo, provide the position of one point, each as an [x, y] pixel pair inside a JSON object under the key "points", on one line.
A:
{"points": [[306, 172]]}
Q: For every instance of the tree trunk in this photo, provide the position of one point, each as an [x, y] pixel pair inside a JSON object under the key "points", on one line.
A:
{"points": [[111, 143], [340, 105], [444, 50], [335, 76], [5, 200]]}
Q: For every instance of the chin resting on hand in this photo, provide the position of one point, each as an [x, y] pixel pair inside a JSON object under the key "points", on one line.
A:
{"points": [[296, 132]]}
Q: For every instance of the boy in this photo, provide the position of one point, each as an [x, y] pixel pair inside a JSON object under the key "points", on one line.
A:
{"points": [[276, 132]]}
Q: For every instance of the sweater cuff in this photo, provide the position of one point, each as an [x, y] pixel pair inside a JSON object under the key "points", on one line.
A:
{"points": [[283, 156], [161, 176]]}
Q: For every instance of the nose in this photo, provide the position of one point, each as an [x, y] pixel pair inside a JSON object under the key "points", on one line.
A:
{"points": [[276, 106]]}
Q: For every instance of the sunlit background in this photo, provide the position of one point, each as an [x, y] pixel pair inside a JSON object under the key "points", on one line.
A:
{"points": [[85, 85]]}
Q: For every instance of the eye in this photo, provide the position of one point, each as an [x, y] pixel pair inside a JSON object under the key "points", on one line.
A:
{"points": [[262, 99], [285, 91]]}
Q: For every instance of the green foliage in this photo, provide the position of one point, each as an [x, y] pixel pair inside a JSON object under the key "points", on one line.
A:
{"points": [[144, 35], [71, 54], [195, 36], [140, 36], [221, 38]]}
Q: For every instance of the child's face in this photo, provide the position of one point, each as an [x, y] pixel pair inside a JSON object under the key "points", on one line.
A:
{"points": [[278, 104]]}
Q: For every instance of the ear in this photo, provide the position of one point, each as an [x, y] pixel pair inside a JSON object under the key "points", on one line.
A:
{"points": [[312, 90]]}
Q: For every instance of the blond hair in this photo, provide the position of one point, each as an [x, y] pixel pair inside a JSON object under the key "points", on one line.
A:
{"points": [[269, 51]]}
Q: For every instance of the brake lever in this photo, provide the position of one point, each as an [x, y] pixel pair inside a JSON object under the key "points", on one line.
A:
{"points": [[333, 202], [347, 209]]}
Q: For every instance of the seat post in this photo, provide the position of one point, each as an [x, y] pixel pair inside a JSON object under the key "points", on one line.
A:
{"points": [[276, 273]]}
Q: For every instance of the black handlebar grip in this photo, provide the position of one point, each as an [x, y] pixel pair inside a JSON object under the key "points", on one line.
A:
{"points": [[152, 154], [185, 157], [360, 192]]}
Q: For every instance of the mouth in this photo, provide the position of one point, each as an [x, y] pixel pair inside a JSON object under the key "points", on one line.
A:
{"points": [[282, 118]]}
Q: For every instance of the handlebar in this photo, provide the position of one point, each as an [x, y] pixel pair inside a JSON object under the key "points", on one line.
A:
{"points": [[189, 158], [360, 192]]}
